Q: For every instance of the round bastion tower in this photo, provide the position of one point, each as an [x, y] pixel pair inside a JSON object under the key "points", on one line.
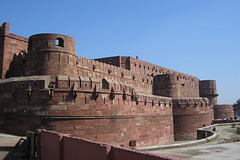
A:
{"points": [[51, 54], [207, 88], [166, 85]]}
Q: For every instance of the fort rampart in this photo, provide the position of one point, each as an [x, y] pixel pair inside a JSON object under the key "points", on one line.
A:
{"points": [[112, 114], [120, 100]]}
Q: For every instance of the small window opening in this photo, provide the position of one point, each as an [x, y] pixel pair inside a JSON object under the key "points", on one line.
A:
{"points": [[59, 42]]}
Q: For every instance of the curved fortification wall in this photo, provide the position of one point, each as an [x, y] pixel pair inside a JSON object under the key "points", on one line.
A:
{"points": [[78, 106], [223, 111], [189, 114], [51, 54]]}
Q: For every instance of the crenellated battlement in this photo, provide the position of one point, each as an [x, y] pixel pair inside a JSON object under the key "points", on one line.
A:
{"points": [[192, 102], [81, 84], [190, 114], [24, 83], [87, 67]]}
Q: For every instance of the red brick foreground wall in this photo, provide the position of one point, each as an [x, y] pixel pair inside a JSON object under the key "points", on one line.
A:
{"points": [[52, 145]]}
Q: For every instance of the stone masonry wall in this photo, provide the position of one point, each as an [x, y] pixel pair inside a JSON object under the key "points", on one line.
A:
{"points": [[207, 88], [223, 111], [81, 108], [125, 101], [92, 68], [189, 114], [172, 85], [10, 45]]}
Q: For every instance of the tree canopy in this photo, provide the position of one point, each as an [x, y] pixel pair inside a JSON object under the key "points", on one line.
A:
{"points": [[236, 106]]}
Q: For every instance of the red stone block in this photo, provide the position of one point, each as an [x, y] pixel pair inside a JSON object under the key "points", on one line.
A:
{"points": [[76, 148], [50, 145]]}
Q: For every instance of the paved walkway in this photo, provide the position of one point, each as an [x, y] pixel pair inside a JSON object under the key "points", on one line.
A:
{"points": [[222, 148], [7, 142]]}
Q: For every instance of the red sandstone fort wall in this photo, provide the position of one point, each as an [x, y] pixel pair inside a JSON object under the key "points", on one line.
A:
{"points": [[147, 68], [99, 101], [86, 110]]}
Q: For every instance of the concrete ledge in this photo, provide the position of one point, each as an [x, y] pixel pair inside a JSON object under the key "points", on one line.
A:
{"points": [[184, 144]]}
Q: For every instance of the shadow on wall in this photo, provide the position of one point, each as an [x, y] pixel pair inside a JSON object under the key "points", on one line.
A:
{"points": [[52, 145]]}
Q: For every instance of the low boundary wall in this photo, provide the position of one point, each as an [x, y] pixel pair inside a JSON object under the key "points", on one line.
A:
{"points": [[52, 145], [205, 134]]}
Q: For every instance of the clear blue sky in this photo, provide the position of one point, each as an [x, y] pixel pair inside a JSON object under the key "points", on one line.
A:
{"points": [[196, 37]]}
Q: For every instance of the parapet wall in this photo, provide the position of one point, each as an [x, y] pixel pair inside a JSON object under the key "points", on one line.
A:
{"points": [[143, 67], [56, 146], [189, 114], [92, 68]]}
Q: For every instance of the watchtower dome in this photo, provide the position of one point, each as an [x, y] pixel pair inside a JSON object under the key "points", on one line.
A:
{"points": [[51, 54]]}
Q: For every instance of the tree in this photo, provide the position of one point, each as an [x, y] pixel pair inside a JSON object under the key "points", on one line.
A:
{"points": [[236, 106]]}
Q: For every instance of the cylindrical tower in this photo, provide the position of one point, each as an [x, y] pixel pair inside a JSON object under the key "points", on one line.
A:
{"points": [[189, 114], [208, 89], [166, 85], [51, 54], [223, 111]]}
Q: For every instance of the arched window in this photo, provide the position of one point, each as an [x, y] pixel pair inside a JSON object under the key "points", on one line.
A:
{"points": [[59, 42]]}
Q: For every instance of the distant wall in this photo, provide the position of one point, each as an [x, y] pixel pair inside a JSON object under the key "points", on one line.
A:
{"points": [[10, 45], [52, 145], [115, 61], [223, 111]]}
